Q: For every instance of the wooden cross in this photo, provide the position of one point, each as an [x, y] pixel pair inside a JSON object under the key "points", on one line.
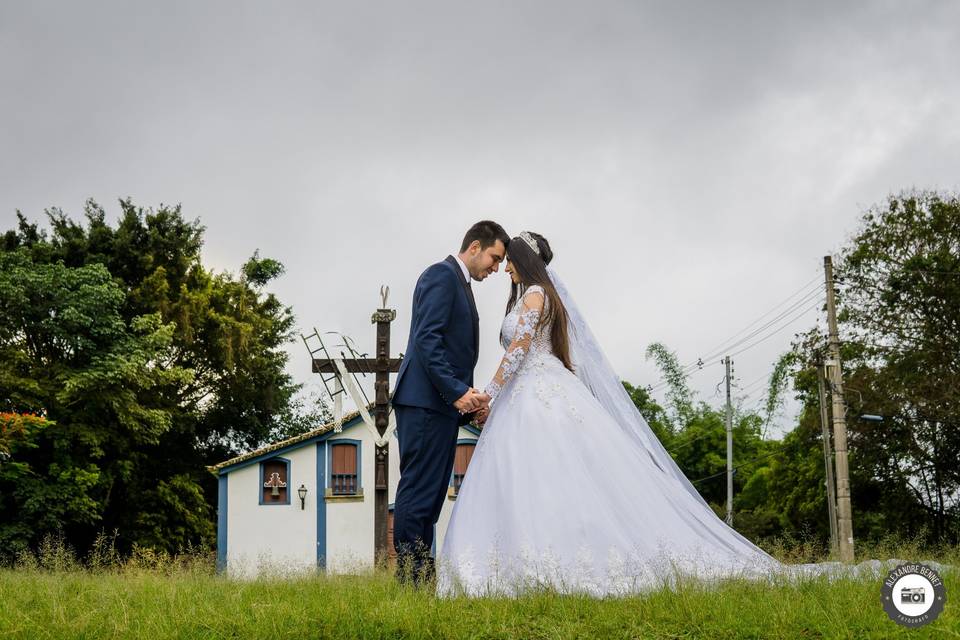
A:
{"points": [[382, 366]]}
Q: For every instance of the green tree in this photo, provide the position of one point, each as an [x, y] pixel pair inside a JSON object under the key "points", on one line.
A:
{"points": [[899, 317], [653, 413], [150, 365], [67, 354], [900, 312], [898, 305], [695, 433]]}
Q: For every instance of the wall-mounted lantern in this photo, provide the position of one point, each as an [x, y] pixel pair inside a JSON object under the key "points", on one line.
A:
{"points": [[302, 492]]}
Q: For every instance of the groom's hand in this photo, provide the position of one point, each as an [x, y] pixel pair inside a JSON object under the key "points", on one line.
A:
{"points": [[472, 401]]}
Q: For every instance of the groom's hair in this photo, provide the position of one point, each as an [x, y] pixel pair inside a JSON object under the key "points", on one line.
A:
{"points": [[487, 232]]}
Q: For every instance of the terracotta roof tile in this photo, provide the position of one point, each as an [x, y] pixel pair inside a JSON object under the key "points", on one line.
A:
{"points": [[283, 443]]}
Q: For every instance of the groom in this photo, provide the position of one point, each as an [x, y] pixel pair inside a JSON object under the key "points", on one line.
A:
{"points": [[434, 393]]}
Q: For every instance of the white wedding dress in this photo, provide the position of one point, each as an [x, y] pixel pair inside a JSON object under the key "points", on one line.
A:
{"points": [[568, 489]]}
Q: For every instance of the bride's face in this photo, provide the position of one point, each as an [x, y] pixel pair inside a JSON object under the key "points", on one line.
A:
{"points": [[514, 276]]}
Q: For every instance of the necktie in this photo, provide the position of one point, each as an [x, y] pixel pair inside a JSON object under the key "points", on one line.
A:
{"points": [[470, 294]]}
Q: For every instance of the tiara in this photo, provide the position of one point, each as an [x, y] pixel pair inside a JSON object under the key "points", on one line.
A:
{"points": [[526, 237]]}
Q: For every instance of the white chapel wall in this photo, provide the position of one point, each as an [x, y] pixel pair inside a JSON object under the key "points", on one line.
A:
{"points": [[282, 538], [350, 524], [272, 538]]}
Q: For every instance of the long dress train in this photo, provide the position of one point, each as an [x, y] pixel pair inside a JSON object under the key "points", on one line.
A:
{"points": [[558, 494]]}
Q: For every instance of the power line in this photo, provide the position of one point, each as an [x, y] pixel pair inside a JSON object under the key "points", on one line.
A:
{"points": [[742, 464], [804, 290], [887, 347], [931, 273], [883, 283], [762, 380], [689, 442], [772, 333], [755, 381], [755, 408], [807, 292], [664, 383], [813, 295], [757, 390], [788, 322], [807, 297], [792, 308], [781, 328], [700, 362]]}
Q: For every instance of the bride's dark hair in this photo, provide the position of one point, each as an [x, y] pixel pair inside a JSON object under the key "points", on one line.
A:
{"points": [[532, 270]]}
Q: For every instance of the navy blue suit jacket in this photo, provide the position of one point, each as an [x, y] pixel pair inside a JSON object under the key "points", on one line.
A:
{"points": [[444, 343]]}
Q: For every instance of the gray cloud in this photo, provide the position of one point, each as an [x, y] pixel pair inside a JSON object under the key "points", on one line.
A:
{"points": [[690, 162]]}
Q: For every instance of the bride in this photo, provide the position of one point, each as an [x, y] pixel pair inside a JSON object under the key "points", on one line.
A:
{"points": [[568, 487]]}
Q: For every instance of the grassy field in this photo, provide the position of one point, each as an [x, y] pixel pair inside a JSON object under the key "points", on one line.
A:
{"points": [[51, 595]]}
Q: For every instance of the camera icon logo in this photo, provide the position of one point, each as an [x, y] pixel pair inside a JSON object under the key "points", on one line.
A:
{"points": [[913, 594], [910, 595]]}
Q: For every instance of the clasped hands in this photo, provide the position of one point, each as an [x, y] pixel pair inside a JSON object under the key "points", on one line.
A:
{"points": [[474, 401]]}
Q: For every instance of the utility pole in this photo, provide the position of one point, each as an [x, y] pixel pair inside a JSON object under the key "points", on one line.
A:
{"points": [[844, 511], [729, 420], [827, 458]]}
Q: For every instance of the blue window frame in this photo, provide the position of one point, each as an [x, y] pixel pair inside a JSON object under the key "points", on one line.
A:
{"points": [[344, 476], [270, 494]]}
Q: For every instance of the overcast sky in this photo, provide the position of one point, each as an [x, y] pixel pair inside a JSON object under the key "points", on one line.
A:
{"points": [[690, 163]]}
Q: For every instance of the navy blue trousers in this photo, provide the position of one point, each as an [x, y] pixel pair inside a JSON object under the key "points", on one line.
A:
{"points": [[428, 445]]}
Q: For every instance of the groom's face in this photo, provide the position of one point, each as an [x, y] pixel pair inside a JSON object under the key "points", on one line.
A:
{"points": [[483, 262]]}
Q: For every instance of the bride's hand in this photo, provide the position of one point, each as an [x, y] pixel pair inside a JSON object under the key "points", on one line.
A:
{"points": [[481, 417]]}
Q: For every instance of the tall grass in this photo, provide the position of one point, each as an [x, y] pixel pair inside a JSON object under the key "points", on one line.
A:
{"points": [[52, 593]]}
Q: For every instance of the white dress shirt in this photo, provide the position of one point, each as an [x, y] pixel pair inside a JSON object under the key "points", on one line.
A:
{"points": [[463, 268]]}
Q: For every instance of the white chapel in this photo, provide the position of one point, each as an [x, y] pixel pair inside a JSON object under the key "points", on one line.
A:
{"points": [[307, 503]]}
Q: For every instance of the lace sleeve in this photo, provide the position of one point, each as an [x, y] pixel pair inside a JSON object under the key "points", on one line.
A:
{"points": [[527, 321]]}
